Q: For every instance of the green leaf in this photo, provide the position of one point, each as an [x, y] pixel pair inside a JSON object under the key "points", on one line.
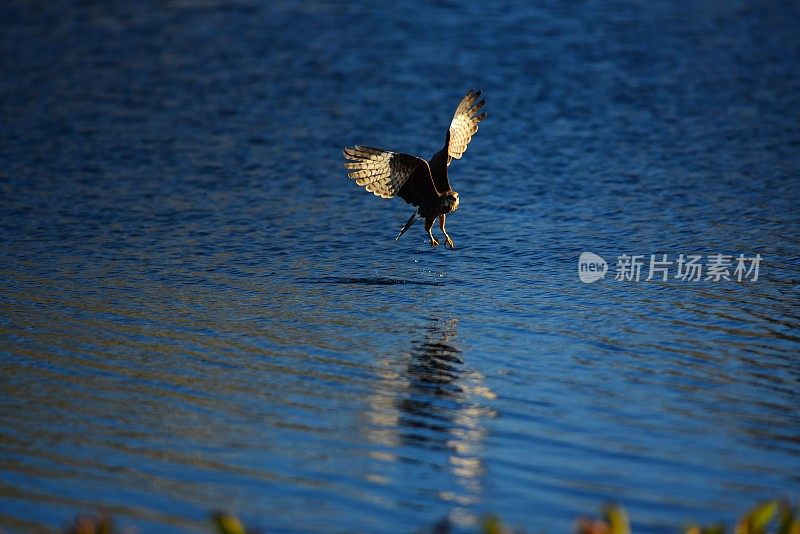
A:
{"points": [[757, 520], [491, 525], [788, 524], [617, 519], [228, 523]]}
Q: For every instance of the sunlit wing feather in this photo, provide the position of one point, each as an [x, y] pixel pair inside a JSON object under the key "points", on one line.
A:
{"points": [[464, 124], [381, 172]]}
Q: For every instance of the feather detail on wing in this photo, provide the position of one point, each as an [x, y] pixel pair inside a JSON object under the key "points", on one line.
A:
{"points": [[464, 124], [388, 174], [380, 172]]}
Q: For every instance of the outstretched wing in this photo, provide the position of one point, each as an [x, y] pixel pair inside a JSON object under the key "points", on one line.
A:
{"points": [[464, 125], [388, 174]]}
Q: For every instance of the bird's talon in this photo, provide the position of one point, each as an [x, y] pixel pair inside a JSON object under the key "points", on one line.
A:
{"points": [[434, 243], [450, 243]]}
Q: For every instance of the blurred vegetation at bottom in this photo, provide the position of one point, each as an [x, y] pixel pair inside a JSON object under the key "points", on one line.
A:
{"points": [[778, 517]]}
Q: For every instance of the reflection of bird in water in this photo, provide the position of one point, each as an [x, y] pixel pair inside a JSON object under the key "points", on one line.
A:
{"points": [[430, 413], [433, 375], [420, 183]]}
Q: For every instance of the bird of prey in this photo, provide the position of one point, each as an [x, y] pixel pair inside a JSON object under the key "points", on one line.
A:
{"points": [[421, 183]]}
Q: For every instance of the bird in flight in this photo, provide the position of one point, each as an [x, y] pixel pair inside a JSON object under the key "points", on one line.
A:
{"points": [[421, 183]]}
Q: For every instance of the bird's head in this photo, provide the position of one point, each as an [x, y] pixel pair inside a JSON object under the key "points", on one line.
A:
{"points": [[451, 200]]}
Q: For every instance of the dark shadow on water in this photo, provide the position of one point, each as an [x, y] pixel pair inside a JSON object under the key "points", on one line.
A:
{"points": [[365, 281]]}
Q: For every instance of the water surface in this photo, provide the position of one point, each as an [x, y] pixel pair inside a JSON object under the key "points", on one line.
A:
{"points": [[198, 310]]}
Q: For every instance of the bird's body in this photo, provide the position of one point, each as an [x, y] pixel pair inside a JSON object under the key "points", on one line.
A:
{"points": [[421, 183]]}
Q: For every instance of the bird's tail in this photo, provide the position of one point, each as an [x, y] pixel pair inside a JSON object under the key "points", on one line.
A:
{"points": [[411, 220]]}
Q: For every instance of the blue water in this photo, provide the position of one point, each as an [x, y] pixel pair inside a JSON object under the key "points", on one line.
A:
{"points": [[199, 311]]}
